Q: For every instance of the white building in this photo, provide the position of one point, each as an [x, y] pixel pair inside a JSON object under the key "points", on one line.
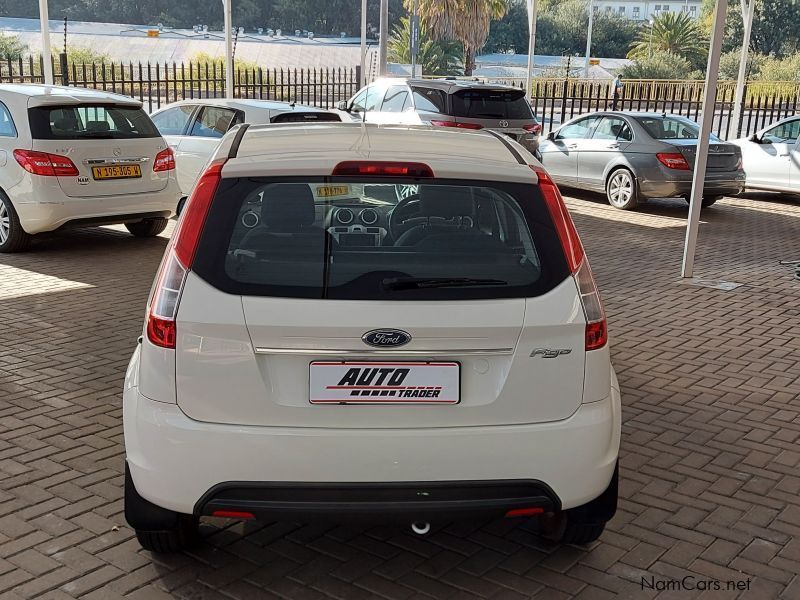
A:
{"points": [[644, 10]]}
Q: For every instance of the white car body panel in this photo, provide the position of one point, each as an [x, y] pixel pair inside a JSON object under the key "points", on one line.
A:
{"points": [[772, 166]]}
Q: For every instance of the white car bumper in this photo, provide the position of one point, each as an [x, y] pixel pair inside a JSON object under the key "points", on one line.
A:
{"points": [[174, 461]]}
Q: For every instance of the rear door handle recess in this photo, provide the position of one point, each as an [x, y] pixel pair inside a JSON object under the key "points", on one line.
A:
{"points": [[572, 146], [613, 146]]}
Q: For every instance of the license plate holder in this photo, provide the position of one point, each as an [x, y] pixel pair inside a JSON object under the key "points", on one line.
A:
{"points": [[384, 382], [116, 172]]}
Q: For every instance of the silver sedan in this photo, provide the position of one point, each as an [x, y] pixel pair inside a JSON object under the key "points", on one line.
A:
{"points": [[633, 156]]}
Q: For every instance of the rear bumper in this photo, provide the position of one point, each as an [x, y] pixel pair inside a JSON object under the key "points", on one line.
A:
{"points": [[727, 184], [54, 210], [194, 467]]}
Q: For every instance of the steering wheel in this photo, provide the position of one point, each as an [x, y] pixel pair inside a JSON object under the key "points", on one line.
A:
{"points": [[404, 216]]}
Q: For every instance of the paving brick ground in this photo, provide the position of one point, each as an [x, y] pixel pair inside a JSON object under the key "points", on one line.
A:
{"points": [[710, 480]]}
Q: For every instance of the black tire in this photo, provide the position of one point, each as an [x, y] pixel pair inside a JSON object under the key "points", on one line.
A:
{"points": [[13, 238], [147, 227], [621, 190], [707, 200], [583, 524], [158, 529], [179, 208]]}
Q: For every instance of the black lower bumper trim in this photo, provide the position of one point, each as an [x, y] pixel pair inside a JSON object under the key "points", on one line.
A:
{"points": [[416, 501], [114, 219]]}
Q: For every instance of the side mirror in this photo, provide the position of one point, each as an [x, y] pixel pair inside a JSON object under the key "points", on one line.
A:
{"points": [[342, 105], [551, 136], [755, 139]]}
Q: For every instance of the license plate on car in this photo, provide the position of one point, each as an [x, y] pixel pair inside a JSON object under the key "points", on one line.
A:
{"points": [[384, 382], [326, 191], [117, 172]]}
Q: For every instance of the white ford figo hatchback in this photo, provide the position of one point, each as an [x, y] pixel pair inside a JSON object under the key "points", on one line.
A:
{"points": [[359, 321], [76, 157]]}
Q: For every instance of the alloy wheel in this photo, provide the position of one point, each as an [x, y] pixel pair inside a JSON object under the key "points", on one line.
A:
{"points": [[5, 222], [620, 189]]}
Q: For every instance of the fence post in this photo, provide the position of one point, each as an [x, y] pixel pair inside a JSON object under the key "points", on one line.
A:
{"points": [[62, 59], [564, 99], [739, 112]]}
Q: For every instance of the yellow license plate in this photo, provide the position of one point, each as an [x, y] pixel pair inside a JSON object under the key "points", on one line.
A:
{"points": [[117, 172], [325, 191]]}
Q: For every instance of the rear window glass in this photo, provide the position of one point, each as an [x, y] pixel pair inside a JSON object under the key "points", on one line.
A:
{"points": [[491, 104], [88, 121], [365, 240], [672, 128]]}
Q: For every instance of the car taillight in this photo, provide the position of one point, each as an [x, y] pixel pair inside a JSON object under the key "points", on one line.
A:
{"points": [[438, 123], [673, 160], [161, 330], [382, 168], [45, 164], [534, 128], [596, 328], [165, 160]]}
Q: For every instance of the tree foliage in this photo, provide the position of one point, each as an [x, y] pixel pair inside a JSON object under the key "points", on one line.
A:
{"points": [[673, 33], [776, 26], [11, 47], [436, 57], [661, 65]]}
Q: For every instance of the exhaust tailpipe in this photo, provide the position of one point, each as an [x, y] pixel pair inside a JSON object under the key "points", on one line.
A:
{"points": [[421, 527]]}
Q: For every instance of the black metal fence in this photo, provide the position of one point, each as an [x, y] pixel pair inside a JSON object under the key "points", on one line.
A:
{"points": [[156, 84], [554, 100]]}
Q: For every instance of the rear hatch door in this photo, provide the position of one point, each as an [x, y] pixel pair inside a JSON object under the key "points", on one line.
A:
{"points": [[499, 109]]}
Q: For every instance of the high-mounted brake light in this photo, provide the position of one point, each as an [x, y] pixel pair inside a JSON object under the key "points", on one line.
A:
{"points": [[45, 164], [382, 168], [596, 327], [456, 125], [534, 128], [673, 160], [161, 329], [165, 160]]}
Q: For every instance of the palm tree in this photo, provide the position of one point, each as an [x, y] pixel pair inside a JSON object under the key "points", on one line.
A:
{"points": [[464, 20], [436, 57], [675, 33]]}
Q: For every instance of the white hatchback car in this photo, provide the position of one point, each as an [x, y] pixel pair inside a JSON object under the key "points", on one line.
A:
{"points": [[193, 128], [319, 345], [771, 157], [73, 157]]}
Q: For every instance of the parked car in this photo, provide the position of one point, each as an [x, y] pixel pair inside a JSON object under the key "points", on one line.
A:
{"points": [[73, 157], [419, 359], [633, 156], [193, 128], [453, 103], [771, 157]]}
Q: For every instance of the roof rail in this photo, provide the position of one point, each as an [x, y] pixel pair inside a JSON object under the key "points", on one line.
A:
{"points": [[504, 141]]}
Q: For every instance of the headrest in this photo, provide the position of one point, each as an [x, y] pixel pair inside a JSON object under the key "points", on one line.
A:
{"points": [[616, 129], [287, 207], [223, 124], [65, 124], [97, 126], [446, 201]]}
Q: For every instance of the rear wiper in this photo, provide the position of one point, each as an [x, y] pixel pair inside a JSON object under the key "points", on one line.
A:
{"points": [[96, 134], [421, 283]]}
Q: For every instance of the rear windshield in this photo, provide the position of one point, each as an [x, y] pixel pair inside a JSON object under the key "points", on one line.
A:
{"points": [[491, 104], [672, 128], [87, 121], [379, 240]]}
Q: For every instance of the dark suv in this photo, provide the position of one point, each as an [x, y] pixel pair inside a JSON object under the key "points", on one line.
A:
{"points": [[448, 103]]}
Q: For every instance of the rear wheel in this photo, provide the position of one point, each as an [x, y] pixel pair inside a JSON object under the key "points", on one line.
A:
{"points": [[621, 190], [583, 524], [13, 238], [158, 529], [147, 227], [707, 200], [179, 208]]}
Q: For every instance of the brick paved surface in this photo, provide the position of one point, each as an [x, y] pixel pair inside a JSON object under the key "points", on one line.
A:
{"points": [[710, 480]]}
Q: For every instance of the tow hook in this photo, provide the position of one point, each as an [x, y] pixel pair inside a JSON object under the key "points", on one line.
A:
{"points": [[421, 527]]}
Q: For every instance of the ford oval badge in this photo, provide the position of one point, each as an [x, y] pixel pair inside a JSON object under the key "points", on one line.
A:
{"points": [[386, 338]]}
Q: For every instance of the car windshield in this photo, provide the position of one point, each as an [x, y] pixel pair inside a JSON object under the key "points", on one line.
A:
{"points": [[491, 104], [347, 239], [672, 128], [86, 121]]}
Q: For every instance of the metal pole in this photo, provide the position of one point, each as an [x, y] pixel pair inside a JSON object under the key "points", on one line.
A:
{"points": [[589, 40], [363, 81], [47, 59], [226, 8], [384, 37], [706, 120], [748, 9], [532, 17], [414, 30]]}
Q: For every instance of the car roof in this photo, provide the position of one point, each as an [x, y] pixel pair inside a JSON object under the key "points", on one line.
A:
{"points": [[300, 149], [245, 103], [449, 86], [40, 95]]}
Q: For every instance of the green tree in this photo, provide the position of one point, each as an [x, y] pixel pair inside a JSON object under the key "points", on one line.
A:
{"points": [[673, 33], [661, 65], [437, 57], [11, 47], [464, 20], [781, 69]]}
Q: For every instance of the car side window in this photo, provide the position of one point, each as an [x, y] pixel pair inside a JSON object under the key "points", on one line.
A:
{"points": [[430, 100], [396, 99], [784, 133], [578, 130], [7, 128], [613, 128], [358, 103], [214, 122], [173, 120]]}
